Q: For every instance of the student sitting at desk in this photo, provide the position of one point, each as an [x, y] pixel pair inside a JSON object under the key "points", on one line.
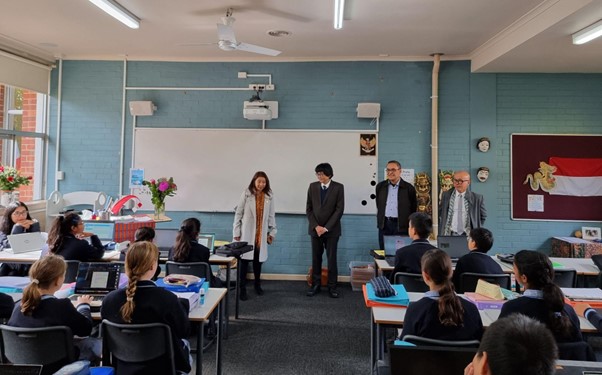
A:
{"points": [[67, 238], [480, 242], [516, 345], [186, 248], [15, 220], [407, 259], [142, 234], [39, 308], [542, 300], [441, 314], [143, 302]]}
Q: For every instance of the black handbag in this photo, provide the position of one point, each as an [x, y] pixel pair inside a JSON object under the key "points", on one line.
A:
{"points": [[234, 249]]}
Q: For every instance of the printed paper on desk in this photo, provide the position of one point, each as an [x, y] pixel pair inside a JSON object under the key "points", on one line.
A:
{"points": [[489, 290], [583, 293]]}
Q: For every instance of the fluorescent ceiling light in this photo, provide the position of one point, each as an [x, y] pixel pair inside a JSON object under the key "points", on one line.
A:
{"points": [[589, 33], [118, 12], [339, 9]]}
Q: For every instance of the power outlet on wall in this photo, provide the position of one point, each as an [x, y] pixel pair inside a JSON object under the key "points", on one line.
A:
{"points": [[261, 86]]}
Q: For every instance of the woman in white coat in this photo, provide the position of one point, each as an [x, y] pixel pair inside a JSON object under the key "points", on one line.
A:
{"points": [[255, 223]]}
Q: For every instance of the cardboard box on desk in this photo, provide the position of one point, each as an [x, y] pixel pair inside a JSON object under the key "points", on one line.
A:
{"points": [[193, 298], [484, 303]]}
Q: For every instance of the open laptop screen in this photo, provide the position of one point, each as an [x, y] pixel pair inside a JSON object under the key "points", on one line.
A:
{"points": [[454, 246], [165, 238], [104, 230], [394, 243], [97, 278], [207, 240]]}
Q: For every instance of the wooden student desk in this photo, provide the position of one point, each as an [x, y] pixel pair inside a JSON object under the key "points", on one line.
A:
{"points": [[383, 317]]}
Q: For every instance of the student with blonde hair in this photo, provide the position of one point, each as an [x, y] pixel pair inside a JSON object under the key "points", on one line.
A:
{"points": [[143, 302], [40, 308]]}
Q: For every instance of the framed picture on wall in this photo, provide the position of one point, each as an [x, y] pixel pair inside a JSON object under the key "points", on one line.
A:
{"points": [[591, 233]]}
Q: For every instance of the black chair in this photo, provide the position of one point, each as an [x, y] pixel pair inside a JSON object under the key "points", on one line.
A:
{"points": [[412, 282], [565, 278], [421, 360], [199, 269], [148, 347], [576, 351], [469, 280], [72, 268], [418, 340], [51, 347]]}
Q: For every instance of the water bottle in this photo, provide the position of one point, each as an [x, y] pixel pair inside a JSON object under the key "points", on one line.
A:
{"points": [[202, 299]]}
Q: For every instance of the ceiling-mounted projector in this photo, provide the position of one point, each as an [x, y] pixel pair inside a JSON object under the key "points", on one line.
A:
{"points": [[260, 110]]}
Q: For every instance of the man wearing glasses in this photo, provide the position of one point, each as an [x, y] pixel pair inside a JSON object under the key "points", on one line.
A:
{"points": [[324, 209], [395, 201], [461, 210]]}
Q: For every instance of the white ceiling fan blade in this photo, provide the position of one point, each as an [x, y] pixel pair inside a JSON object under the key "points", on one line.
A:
{"points": [[257, 49], [225, 32]]}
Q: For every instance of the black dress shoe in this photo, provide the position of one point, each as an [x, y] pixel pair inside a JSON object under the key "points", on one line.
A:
{"points": [[333, 293], [258, 290], [313, 291]]}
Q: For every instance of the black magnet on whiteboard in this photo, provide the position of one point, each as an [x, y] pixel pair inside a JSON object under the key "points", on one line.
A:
{"points": [[373, 183], [372, 196], [364, 203]]}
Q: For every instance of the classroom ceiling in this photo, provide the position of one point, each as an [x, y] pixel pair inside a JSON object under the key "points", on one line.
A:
{"points": [[497, 36]]}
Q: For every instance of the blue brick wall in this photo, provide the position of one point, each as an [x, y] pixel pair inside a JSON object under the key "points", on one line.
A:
{"points": [[319, 95]]}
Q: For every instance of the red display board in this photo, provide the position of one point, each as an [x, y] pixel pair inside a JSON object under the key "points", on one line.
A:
{"points": [[537, 161]]}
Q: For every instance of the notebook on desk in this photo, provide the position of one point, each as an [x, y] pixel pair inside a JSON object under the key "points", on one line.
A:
{"points": [[97, 280], [454, 246], [105, 230], [26, 242]]}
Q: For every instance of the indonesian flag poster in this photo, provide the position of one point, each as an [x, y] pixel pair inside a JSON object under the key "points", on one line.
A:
{"points": [[562, 172]]}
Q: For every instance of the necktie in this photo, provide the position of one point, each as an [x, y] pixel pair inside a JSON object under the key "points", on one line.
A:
{"points": [[460, 214]]}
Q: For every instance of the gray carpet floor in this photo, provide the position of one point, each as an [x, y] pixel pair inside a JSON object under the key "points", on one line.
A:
{"points": [[286, 332]]}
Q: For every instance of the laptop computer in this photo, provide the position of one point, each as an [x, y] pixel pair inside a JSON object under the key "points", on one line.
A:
{"points": [[97, 280], [392, 244], [10, 369], [454, 246], [207, 240], [26, 242], [165, 239], [105, 230]]}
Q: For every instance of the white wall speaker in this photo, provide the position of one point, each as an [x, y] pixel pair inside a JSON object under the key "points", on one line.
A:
{"points": [[142, 108], [368, 110]]}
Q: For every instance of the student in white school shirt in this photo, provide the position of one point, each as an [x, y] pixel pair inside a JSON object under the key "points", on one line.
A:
{"points": [[456, 222]]}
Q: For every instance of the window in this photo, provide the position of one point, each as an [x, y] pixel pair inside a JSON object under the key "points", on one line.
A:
{"points": [[23, 137]]}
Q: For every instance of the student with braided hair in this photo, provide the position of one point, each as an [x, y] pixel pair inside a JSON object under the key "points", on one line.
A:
{"points": [[441, 314], [39, 308], [143, 302], [186, 248], [542, 300]]}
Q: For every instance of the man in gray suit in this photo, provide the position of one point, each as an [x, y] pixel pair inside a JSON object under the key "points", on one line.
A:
{"points": [[461, 210], [324, 209]]}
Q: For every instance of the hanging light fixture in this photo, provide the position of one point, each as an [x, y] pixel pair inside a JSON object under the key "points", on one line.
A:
{"points": [[115, 10], [339, 9]]}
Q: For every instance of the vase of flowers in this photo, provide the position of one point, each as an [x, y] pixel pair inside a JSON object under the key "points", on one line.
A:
{"points": [[160, 189], [10, 180]]}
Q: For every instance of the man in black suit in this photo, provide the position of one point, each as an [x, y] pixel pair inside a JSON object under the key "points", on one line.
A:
{"points": [[324, 209], [395, 201], [407, 259]]}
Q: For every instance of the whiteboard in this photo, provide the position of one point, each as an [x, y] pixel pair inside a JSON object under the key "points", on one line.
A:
{"points": [[213, 167]]}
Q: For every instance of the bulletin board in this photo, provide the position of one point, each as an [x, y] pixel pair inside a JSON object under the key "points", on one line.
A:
{"points": [[527, 153], [213, 167]]}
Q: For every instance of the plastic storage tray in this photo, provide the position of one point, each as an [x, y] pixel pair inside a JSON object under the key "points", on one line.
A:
{"points": [[361, 273]]}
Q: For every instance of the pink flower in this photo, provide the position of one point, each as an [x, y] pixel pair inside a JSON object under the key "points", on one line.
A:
{"points": [[1, 168], [163, 186]]}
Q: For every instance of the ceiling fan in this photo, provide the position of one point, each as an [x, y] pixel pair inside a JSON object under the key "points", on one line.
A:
{"points": [[227, 40]]}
